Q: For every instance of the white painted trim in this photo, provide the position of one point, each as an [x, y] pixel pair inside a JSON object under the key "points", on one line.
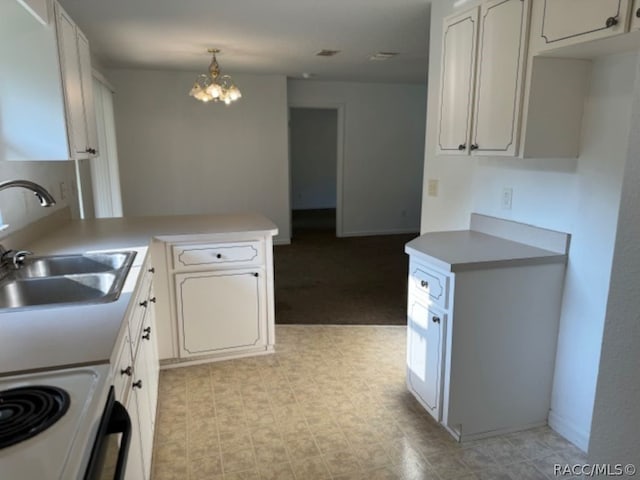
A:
{"points": [[340, 107], [569, 430], [368, 233], [97, 74]]}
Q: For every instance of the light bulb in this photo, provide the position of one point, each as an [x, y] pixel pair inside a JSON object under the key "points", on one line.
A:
{"points": [[214, 90]]}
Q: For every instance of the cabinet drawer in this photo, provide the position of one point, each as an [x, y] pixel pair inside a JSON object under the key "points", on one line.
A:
{"points": [[123, 370], [222, 254], [429, 283], [139, 309]]}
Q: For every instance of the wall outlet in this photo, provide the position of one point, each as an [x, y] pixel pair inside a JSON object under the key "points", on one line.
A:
{"points": [[432, 187], [507, 198]]}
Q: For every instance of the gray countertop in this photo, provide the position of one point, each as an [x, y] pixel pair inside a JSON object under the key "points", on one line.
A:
{"points": [[461, 250], [60, 337]]}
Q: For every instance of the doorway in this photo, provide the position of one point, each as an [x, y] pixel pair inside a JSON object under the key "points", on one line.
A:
{"points": [[315, 146]]}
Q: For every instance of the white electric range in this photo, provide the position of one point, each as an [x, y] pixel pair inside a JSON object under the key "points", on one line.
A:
{"points": [[63, 409]]}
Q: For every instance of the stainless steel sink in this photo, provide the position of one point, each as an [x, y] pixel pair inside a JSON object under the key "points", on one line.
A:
{"points": [[65, 280], [71, 264]]}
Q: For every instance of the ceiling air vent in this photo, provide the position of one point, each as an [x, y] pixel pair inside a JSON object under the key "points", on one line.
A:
{"points": [[327, 53], [379, 56]]}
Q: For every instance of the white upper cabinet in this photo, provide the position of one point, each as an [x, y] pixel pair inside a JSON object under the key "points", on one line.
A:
{"points": [[484, 53], [502, 49], [460, 33], [75, 64], [32, 115], [567, 22]]}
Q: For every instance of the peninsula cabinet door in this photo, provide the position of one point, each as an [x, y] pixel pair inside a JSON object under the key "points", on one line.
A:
{"points": [[459, 40], [566, 22], [502, 51], [425, 355], [220, 311]]}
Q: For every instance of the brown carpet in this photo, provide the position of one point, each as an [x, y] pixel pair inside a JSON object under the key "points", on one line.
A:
{"points": [[321, 279]]}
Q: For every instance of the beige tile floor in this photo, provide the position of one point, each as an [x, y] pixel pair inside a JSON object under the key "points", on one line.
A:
{"points": [[331, 403]]}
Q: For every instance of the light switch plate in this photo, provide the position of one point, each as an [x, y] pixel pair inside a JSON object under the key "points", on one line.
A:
{"points": [[432, 187]]}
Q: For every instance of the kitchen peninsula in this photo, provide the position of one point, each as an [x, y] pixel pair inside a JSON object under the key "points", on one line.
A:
{"points": [[200, 289]]}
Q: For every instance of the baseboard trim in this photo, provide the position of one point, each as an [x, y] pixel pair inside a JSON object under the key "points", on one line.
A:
{"points": [[370, 233], [569, 430]]}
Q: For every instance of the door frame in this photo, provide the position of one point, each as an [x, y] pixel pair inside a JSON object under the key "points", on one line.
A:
{"points": [[340, 109]]}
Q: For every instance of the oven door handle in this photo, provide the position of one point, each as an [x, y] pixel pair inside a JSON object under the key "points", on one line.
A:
{"points": [[120, 423]]}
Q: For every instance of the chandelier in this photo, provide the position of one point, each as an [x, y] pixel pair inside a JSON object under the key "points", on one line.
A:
{"points": [[213, 86]]}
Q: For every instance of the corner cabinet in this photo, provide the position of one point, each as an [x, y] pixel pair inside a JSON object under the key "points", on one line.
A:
{"points": [[567, 22], [483, 60], [77, 83], [482, 335]]}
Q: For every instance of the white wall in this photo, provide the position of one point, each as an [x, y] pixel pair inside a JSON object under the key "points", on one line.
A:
{"points": [[383, 151], [313, 138], [615, 437], [180, 156], [579, 196], [20, 207]]}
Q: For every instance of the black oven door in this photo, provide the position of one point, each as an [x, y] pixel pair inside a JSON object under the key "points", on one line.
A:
{"points": [[109, 454]]}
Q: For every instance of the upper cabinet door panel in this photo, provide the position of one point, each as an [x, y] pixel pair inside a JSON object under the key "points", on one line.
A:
{"points": [[502, 49], [72, 83], [457, 80], [32, 122], [565, 22], [86, 76]]}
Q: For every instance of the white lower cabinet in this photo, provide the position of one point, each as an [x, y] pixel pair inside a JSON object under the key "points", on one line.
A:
{"points": [[425, 355], [221, 299], [221, 311], [136, 375], [483, 365], [135, 468]]}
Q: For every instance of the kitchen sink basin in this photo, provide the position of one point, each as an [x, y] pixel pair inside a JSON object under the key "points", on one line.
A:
{"points": [[72, 264], [64, 280], [88, 287]]}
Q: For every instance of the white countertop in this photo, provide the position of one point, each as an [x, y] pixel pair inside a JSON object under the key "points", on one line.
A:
{"points": [[468, 250], [59, 337]]}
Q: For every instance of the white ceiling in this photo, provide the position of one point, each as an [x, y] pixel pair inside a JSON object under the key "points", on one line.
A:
{"points": [[261, 36]]}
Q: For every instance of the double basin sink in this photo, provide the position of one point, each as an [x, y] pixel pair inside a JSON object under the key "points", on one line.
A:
{"points": [[63, 280]]}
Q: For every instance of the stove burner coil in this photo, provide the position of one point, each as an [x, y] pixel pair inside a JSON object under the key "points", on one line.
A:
{"points": [[27, 411]]}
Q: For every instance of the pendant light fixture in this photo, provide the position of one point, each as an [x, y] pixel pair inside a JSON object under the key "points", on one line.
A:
{"points": [[213, 86]]}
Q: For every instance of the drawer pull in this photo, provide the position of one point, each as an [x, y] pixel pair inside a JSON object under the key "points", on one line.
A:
{"points": [[424, 283], [611, 21], [256, 274], [144, 304], [126, 371], [435, 319], [147, 333], [152, 299], [137, 384], [152, 270], [462, 146], [218, 255]]}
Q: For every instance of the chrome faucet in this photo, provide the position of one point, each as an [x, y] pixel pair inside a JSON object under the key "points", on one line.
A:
{"points": [[15, 258], [45, 198]]}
